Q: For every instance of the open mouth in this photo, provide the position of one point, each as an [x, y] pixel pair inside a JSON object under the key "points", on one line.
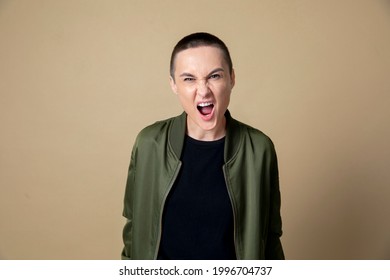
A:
{"points": [[205, 108]]}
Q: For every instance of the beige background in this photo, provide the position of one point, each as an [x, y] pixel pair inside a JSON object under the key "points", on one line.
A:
{"points": [[79, 79]]}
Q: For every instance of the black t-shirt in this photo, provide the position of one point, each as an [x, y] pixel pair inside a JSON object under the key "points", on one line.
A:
{"points": [[198, 216]]}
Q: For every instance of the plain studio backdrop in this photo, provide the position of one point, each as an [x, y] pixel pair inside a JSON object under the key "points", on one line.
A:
{"points": [[80, 78]]}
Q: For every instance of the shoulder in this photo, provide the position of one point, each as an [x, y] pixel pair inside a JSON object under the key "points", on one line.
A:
{"points": [[155, 132], [155, 128], [254, 135]]}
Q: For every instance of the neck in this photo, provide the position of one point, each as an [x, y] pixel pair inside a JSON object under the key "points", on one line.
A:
{"points": [[207, 135]]}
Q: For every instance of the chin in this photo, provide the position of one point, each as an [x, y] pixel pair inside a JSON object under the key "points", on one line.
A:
{"points": [[209, 127]]}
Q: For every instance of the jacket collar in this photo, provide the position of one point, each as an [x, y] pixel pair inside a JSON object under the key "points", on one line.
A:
{"points": [[232, 140]]}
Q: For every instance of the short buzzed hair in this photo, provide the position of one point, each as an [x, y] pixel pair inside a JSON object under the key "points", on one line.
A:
{"points": [[200, 39]]}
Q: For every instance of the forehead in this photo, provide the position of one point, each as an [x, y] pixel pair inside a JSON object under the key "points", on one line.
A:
{"points": [[200, 58]]}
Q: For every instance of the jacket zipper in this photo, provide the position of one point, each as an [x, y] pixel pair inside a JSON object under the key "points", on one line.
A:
{"points": [[234, 212], [162, 208]]}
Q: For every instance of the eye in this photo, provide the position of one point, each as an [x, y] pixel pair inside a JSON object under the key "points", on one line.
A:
{"points": [[215, 76], [188, 79]]}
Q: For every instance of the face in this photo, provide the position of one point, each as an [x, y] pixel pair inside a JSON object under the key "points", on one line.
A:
{"points": [[203, 85]]}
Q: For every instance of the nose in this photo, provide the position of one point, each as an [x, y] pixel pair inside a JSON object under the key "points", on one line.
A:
{"points": [[203, 89]]}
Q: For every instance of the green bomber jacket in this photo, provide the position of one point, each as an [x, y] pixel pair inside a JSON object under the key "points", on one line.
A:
{"points": [[251, 175]]}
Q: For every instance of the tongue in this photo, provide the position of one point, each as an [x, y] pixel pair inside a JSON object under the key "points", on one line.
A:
{"points": [[206, 110]]}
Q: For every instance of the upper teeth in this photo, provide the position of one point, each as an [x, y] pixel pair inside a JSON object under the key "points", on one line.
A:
{"points": [[204, 104]]}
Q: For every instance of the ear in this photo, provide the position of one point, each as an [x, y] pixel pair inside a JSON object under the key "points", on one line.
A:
{"points": [[233, 78], [173, 84]]}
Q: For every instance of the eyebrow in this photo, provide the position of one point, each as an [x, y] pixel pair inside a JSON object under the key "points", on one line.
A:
{"points": [[185, 74]]}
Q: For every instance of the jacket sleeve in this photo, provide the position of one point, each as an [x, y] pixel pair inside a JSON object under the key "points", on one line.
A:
{"points": [[128, 208], [273, 248]]}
